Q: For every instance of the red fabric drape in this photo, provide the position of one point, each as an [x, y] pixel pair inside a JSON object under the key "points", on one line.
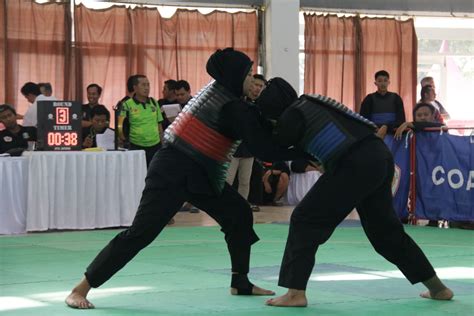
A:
{"points": [[342, 55], [115, 43], [34, 39], [101, 52], [111, 45], [330, 57], [390, 45], [200, 35], [3, 42]]}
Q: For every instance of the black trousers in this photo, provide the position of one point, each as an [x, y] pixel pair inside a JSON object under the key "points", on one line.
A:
{"points": [[149, 151], [363, 180], [172, 179]]}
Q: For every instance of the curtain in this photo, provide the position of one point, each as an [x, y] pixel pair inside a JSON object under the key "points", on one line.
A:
{"points": [[330, 57], [34, 39], [342, 55], [102, 48], [200, 35], [3, 43], [390, 45], [153, 50], [115, 43], [110, 45]]}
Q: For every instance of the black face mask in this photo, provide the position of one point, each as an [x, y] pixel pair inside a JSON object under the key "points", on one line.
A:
{"points": [[276, 98]]}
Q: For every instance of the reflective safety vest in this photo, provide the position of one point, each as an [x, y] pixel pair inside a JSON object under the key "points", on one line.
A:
{"points": [[197, 132]]}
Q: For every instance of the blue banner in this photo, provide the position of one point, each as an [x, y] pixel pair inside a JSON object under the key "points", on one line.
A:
{"points": [[445, 176], [401, 180]]}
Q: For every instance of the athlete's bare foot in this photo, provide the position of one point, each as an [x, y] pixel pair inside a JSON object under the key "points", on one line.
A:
{"points": [[293, 298], [436, 290], [255, 291], [443, 295], [78, 296]]}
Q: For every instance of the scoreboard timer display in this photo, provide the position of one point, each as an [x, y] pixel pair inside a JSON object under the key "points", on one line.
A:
{"points": [[59, 125]]}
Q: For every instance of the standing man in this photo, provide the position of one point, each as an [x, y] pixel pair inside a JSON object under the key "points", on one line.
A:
{"points": [[144, 118], [441, 114], [192, 167], [358, 172], [32, 93], [242, 161], [382, 107], [169, 96]]}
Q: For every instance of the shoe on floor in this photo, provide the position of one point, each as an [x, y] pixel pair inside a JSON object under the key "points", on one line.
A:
{"points": [[255, 208]]}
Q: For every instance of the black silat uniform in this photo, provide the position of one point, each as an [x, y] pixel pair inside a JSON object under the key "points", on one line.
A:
{"points": [[176, 176], [384, 109], [359, 171]]}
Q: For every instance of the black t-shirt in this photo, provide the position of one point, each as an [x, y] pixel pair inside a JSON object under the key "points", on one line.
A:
{"points": [[9, 140], [86, 112]]}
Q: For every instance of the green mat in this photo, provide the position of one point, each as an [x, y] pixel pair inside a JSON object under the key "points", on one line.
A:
{"points": [[186, 272]]}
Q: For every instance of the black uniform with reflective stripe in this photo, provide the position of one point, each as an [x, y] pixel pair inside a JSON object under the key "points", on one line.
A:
{"points": [[206, 107], [323, 128]]}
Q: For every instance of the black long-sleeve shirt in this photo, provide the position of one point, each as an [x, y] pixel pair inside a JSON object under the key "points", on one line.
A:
{"points": [[243, 121]]}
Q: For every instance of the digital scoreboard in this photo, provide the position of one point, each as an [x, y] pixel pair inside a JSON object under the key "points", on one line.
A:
{"points": [[59, 125]]}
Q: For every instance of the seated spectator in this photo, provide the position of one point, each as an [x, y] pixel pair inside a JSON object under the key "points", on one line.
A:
{"points": [[45, 89], [94, 91], [424, 116], [304, 174], [275, 183], [14, 138], [100, 118]]}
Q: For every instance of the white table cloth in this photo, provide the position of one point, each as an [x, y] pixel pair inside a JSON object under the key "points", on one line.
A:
{"points": [[13, 190], [83, 190], [299, 185]]}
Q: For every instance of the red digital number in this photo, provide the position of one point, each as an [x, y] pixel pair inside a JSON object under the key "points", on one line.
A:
{"points": [[54, 139], [59, 139], [62, 116], [73, 139]]}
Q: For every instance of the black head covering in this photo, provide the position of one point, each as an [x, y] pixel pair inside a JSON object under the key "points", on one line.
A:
{"points": [[275, 98], [229, 67]]}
